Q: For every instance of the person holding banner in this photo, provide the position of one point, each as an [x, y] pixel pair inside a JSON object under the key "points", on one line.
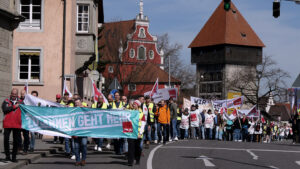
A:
{"points": [[245, 126], [80, 143], [237, 126], [134, 148], [25, 133], [9, 107], [32, 134], [184, 124]]}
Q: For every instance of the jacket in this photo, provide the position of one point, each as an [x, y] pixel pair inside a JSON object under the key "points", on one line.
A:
{"points": [[163, 114], [12, 115]]}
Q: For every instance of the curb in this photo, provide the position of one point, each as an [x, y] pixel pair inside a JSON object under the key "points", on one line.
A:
{"points": [[29, 158]]}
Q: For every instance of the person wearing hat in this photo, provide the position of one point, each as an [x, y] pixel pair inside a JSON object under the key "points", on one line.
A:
{"points": [[134, 148], [61, 139]]}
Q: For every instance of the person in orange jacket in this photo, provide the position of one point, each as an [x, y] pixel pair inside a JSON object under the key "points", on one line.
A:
{"points": [[163, 113]]}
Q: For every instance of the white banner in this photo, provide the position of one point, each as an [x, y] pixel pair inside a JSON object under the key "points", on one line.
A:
{"points": [[35, 101], [230, 103], [186, 104], [163, 94], [202, 103]]}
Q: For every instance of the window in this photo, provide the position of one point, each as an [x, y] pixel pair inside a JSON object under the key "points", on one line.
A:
{"points": [[131, 87], [142, 33], [82, 18], [110, 69], [142, 53], [151, 54], [131, 53], [29, 66], [31, 10]]}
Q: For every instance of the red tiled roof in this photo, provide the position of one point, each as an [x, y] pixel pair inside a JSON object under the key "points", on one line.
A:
{"points": [[112, 34], [226, 27], [149, 72]]}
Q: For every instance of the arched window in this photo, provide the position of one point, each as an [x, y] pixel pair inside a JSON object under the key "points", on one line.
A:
{"points": [[142, 33], [131, 53], [142, 53], [151, 54]]}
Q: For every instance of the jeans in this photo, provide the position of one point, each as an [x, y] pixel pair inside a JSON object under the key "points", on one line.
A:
{"points": [[26, 141], [216, 132], [134, 150], [178, 130], [184, 133], [163, 132], [99, 141], [16, 141], [148, 132], [32, 140], [221, 135], [67, 146], [209, 133], [237, 134], [202, 129], [244, 134], [125, 145], [174, 128], [80, 146], [155, 131], [195, 132]]}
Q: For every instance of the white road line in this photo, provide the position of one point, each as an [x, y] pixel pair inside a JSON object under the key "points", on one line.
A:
{"points": [[273, 167], [255, 157], [297, 162], [150, 158], [231, 149], [206, 161]]}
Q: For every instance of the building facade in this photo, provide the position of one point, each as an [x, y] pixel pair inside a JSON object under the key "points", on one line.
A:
{"points": [[225, 45], [56, 39], [131, 55], [9, 20]]}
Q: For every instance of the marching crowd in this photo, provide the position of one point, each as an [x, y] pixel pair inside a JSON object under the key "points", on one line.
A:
{"points": [[159, 124]]}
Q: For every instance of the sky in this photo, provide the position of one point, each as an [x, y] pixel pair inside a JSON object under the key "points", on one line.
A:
{"points": [[183, 19]]}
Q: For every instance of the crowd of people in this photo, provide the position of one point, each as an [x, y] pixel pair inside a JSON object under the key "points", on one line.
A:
{"points": [[162, 122]]}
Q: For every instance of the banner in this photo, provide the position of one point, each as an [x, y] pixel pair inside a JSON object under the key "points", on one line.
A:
{"points": [[35, 101], [230, 103], [202, 103], [163, 94], [253, 112], [186, 104], [78, 121]]}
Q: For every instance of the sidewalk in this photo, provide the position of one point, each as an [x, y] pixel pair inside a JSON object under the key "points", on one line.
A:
{"points": [[43, 147]]}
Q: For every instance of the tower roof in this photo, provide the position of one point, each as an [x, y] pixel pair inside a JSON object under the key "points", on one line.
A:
{"points": [[226, 27]]}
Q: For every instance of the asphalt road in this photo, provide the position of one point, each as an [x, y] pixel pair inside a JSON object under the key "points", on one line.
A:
{"points": [[191, 154]]}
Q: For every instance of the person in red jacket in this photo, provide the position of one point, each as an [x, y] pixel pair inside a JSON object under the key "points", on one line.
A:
{"points": [[12, 123]]}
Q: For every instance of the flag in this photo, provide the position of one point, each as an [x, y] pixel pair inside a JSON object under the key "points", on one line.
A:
{"points": [[97, 93], [66, 90], [154, 89], [26, 87]]}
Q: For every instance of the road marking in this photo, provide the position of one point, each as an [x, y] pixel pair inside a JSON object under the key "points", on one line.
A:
{"points": [[297, 162], [273, 167], [150, 157], [255, 157], [206, 161], [231, 149]]}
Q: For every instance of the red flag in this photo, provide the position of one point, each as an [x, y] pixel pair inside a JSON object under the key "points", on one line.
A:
{"points": [[97, 92], [26, 87]]}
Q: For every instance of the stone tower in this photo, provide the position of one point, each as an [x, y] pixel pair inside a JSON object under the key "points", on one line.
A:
{"points": [[225, 44]]}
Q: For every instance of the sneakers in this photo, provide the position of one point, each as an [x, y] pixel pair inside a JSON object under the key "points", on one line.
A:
{"points": [[95, 148], [83, 163], [73, 157], [155, 141], [99, 149], [108, 146], [176, 139]]}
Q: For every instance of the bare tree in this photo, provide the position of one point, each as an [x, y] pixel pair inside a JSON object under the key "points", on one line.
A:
{"points": [[259, 82], [181, 71]]}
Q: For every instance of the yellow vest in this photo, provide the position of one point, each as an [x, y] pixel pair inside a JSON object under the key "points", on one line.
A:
{"points": [[85, 104], [150, 109], [104, 105], [178, 117], [63, 103], [121, 105]]}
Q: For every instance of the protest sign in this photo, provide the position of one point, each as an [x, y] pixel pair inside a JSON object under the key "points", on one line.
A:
{"points": [[163, 94], [35, 101], [77, 121], [186, 103]]}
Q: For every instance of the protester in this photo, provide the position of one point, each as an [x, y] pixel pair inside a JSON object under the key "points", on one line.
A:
{"points": [[134, 148], [237, 126], [251, 130], [80, 143], [163, 113], [202, 127], [32, 134], [229, 130], [184, 124], [245, 126], [9, 106], [24, 132], [195, 118], [217, 123], [61, 139], [173, 118], [209, 124], [118, 105], [151, 108]]}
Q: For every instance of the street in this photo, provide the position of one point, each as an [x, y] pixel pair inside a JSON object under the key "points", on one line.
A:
{"points": [[192, 154]]}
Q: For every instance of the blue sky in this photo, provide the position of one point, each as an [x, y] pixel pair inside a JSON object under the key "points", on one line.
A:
{"points": [[183, 19]]}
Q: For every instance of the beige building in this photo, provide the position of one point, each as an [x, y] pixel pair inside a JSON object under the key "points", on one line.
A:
{"points": [[43, 52]]}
